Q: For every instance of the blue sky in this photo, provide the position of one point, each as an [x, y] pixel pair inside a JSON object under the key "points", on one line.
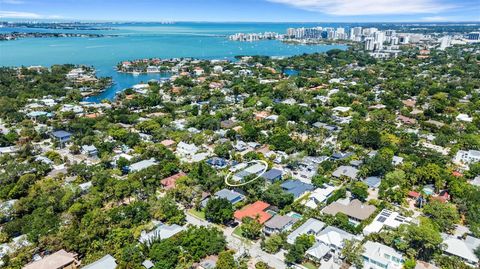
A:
{"points": [[245, 10]]}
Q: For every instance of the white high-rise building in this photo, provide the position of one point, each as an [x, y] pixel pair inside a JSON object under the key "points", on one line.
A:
{"points": [[445, 42], [369, 43]]}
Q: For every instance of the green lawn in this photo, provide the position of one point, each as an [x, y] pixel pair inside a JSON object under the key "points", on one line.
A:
{"points": [[309, 265], [198, 214], [238, 231]]}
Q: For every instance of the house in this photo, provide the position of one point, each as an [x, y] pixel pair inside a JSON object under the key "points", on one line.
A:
{"points": [[186, 150], [386, 218], [106, 262], [168, 143], [254, 211], [464, 117], [89, 150], [379, 256], [273, 175], [58, 260], [338, 156], [317, 252], [148, 264], [310, 227], [319, 195], [462, 248], [355, 210], [346, 171], [467, 157], [396, 160], [296, 187], [169, 182], [333, 237], [373, 182], [218, 163], [278, 224], [162, 231], [227, 124], [231, 195], [255, 169], [61, 137], [138, 166], [406, 120]]}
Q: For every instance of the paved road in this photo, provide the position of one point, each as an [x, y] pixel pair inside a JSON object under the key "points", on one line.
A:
{"points": [[241, 246]]}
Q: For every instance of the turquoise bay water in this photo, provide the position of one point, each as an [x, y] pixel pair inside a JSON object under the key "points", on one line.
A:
{"points": [[134, 41]]}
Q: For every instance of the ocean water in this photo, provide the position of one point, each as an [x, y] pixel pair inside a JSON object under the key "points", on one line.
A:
{"points": [[135, 41]]}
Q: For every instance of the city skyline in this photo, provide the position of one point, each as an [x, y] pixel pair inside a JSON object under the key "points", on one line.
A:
{"points": [[245, 10]]}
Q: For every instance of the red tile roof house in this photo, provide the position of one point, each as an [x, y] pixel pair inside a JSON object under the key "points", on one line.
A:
{"points": [[253, 211], [169, 182]]}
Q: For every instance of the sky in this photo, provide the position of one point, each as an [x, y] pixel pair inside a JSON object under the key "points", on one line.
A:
{"points": [[244, 10]]}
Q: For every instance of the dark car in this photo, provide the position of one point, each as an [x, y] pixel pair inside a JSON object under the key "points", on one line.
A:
{"points": [[232, 224], [327, 257]]}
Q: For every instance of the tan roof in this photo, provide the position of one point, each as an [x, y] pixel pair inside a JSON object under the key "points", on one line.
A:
{"points": [[58, 259], [355, 209], [425, 265]]}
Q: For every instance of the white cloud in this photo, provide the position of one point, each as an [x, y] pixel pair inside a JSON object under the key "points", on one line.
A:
{"points": [[19, 14], [12, 2], [367, 7], [440, 19], [26, 15]]}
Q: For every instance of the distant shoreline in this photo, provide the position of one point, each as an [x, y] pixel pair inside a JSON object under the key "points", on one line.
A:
{"points": [[17, 35]]}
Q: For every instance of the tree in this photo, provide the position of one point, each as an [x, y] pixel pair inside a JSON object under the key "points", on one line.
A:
{"points": [[296, 253], [226, 260], [251, 228], [359, 190], [273, 243], [218, 210], [275, 195], [165, 209], [352, 251], [443, 215], [421, 241]]}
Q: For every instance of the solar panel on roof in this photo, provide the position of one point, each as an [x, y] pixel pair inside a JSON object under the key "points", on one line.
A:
{"points": [[381, 219]]}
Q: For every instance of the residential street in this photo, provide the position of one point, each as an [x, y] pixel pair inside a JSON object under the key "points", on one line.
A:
{"points": [[242, 246]]}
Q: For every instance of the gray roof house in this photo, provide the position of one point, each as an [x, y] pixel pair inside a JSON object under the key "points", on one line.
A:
{"points": [[311, 226], [373, 182], [278, 224], [355, 210], [231, 195], [344, 170], [296, 187], [142, 165], [273, 175], [464, 249], [106, 262]]}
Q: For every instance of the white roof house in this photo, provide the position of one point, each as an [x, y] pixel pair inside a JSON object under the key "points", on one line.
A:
{"points": [[464, 117], [317, 251], [106, 262], [162, 231], [142, 165], [185, 149], [467, 157], [311, 226], [348, 171], [464, 249], [319, 195], [334, 237], [385, 218], [379, 256]]}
